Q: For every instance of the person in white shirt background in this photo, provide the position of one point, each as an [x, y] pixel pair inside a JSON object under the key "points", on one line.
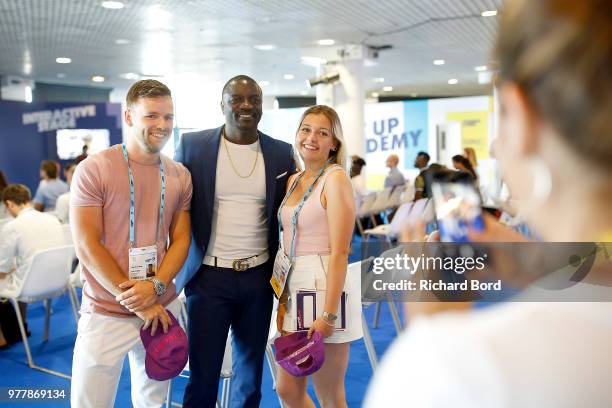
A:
{"points": [[554, 146], [30, 231]]}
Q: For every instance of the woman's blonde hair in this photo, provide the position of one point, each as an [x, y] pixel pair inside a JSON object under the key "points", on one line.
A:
{"points": [[339, 155], [559, 52]]}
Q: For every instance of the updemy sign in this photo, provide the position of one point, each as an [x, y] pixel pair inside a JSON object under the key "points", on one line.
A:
{"points": [[399, 128]]}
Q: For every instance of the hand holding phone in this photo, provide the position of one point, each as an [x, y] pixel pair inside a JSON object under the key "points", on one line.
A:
{"points": [[458, 209]]}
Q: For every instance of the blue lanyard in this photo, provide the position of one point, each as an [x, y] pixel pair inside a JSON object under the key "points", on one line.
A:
{"points": [[296, 213], [162, 198]]}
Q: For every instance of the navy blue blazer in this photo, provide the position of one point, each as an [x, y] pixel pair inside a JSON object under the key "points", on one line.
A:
{"points": [[199, 151]]}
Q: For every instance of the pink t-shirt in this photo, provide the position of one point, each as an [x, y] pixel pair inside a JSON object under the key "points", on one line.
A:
{"points": [[102, 181]]}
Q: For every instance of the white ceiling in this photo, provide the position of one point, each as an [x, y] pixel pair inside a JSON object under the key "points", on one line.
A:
{"points": [[213, 40]]}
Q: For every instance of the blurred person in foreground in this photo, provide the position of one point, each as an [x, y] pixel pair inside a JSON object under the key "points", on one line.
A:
{"points": [[554, 146]]}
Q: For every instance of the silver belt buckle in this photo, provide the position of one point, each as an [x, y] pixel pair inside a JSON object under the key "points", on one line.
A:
{"points": [[240, 265]]}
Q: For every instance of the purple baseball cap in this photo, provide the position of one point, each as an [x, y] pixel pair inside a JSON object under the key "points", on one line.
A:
{"points": [[298, 354], [167, 353]]}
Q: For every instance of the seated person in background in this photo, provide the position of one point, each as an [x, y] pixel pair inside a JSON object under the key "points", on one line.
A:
{"points": [[395, 177], [20, 238], [51, 187], [461, 163], [420, 162], [357, 179], [62, 206], [81, 156]]}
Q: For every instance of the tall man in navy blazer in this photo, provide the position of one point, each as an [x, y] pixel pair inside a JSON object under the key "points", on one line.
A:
{"points": [[239, 176]]}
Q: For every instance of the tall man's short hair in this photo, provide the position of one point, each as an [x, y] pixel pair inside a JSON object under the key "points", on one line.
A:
{"points": [[147, 88], [16, 193], [238, 78]]}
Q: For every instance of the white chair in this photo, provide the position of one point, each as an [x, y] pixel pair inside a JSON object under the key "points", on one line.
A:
{"points": [[365, 209], [390, 231], [422, 210], [47, 278], [395, 197], [408, 194], [227, 372], [367, 337], [67, 233], [381, 203]]}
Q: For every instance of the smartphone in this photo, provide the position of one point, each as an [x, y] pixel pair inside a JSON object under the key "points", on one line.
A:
{"points": [[458, 207]]}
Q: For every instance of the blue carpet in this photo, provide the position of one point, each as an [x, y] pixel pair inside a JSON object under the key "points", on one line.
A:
{"points": [[56, 354]]}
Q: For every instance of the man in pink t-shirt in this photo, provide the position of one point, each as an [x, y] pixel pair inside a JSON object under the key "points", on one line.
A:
{"points": [[126, 204]]}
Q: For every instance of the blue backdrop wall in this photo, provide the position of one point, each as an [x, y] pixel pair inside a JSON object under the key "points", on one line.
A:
{"points": [[28, 133]]}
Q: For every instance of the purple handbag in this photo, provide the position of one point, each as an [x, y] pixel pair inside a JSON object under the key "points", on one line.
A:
{"points": [[298, 355]]}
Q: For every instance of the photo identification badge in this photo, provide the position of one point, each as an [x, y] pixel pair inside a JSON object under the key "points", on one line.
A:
{"points": [[282, 265], [142, 262]]}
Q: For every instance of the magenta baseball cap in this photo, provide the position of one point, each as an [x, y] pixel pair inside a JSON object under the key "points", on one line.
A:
{"points": [[298, 354], [167, 353]]}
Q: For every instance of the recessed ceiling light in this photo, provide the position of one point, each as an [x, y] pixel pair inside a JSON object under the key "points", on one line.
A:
{"points": [[414, 95], [387, 88], [265, 47], [375, 94], [439, 62], [130, 75], [114, 5], [288, 76], [379, 80], [489, 13], [304, 93], [452, 81], [327, 41], [314, 61], [264, 83], [122, 41], [61, 75], [480, 68], [63, 60], [97, 78]]}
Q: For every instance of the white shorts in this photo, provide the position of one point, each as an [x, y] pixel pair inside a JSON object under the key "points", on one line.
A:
{"points": [[101, 346], [309, 272]]}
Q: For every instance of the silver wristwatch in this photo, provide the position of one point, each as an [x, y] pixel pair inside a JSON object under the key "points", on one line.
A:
{"points": [[160, 287], [330, 317]]}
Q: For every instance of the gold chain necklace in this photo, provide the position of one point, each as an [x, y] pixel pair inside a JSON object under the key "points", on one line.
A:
{"points": [[232, 162]]}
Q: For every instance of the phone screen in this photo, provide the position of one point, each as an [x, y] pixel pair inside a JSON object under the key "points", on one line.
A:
{"points": [[458, 208]]}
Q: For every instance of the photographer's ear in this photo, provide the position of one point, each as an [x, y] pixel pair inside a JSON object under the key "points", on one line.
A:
{"points": [[518, 123]]}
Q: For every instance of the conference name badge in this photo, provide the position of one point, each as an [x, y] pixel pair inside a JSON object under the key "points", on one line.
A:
{"points": [[282, 265], [142, 262]]}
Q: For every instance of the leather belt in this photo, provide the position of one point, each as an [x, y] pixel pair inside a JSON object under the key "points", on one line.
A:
{"points": [[238, 265]]}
